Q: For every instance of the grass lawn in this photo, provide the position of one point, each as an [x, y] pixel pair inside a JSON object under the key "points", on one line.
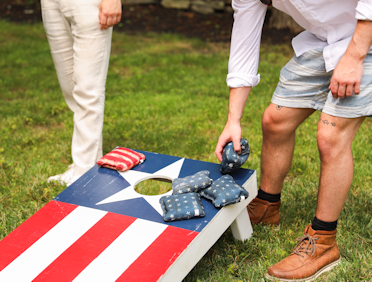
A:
{"points": [[167, 94]]}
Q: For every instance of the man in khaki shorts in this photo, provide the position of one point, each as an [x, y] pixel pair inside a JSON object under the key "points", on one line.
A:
{"points": [[330, 72]]}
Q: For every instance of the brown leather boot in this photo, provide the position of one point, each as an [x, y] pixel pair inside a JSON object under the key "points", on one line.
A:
{"points": [[315, 253], [261, 211]]}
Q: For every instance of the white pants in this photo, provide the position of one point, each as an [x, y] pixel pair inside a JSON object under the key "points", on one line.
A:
{"points": [[81, 53]]}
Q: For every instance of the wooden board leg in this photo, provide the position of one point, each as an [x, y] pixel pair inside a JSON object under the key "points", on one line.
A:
{"points": [[242, 227]]}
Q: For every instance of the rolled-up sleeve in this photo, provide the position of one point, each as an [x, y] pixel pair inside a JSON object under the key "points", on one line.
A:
{"points": [[249, 16], [364, 10]]}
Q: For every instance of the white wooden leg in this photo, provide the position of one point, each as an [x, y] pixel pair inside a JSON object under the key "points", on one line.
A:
{"points": [[242, 227]]}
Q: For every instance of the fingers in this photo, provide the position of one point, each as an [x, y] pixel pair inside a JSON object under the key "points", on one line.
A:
{"points": [[109, 17], [349, 90], [334, 88], [109, 21], [222, 141], [357, 88], [341, 91], [102, 20], [237, 147], [344, 90], [231, 132], [219, 150], [106, 21], [337, 88], [118, 18]]}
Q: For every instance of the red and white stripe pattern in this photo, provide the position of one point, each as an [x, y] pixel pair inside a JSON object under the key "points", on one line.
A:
{"points": [[121, 159], [65, 242]]}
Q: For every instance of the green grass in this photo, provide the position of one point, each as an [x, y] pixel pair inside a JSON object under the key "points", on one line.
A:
{"points": [[153, 187], [167, 94]]}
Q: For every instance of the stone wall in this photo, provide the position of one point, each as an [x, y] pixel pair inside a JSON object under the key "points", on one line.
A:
{"points": [[199, 6]]}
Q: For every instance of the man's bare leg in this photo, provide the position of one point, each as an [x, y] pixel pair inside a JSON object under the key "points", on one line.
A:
{"points": [[278, 126], [335, 136], [317, 251]]}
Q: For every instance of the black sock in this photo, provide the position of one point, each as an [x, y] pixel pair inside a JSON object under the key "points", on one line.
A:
{"points": [[322, 225], [268, 197]]}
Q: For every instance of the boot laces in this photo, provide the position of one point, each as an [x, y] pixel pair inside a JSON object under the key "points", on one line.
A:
{"points": [[306, 244]]}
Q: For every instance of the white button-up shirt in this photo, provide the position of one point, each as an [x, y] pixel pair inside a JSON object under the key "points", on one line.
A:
{"points": [[328, 24]]}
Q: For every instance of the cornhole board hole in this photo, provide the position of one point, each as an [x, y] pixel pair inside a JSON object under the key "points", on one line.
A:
{"points": [[100, 229]]}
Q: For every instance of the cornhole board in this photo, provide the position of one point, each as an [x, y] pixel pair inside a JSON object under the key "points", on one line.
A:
{"points": [[100, 229]]}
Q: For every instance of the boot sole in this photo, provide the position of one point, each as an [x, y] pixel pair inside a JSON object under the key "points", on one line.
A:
{"points": [[327, 268]]}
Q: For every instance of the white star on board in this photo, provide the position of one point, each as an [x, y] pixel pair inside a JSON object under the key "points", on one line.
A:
{"points": [[134, 177]]}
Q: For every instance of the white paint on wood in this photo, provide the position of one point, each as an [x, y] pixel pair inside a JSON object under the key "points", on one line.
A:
{"points": [[134, 177], [241, 227], [49, 247], [122, 252]]}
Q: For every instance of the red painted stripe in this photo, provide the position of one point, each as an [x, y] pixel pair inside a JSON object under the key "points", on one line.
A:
{"points": [[31, 230], [80, 254], [158, 257]]}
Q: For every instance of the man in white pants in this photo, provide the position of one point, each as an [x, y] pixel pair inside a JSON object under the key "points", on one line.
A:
{"points": [[79, 35], [331, 72]]}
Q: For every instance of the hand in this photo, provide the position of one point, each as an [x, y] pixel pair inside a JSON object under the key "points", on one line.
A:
{"points": [[232, 132], [349, 70], [109, 13], [346, 77]]}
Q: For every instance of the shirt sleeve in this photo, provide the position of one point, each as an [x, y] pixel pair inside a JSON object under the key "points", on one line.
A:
{"points": [[364, 10], [249, 16]]}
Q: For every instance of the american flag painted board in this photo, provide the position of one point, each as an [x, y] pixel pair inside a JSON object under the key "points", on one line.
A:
{"points": [[100, 229]]}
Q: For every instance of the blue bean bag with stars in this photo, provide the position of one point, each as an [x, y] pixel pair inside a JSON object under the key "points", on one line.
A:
{"points": [[183, 206], [192, 183], [224, 191], [231, 160]]}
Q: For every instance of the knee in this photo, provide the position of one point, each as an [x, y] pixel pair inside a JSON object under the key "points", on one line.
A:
{"points": [[268, 122], [273, 124], [324, 143], [329, 144]]}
